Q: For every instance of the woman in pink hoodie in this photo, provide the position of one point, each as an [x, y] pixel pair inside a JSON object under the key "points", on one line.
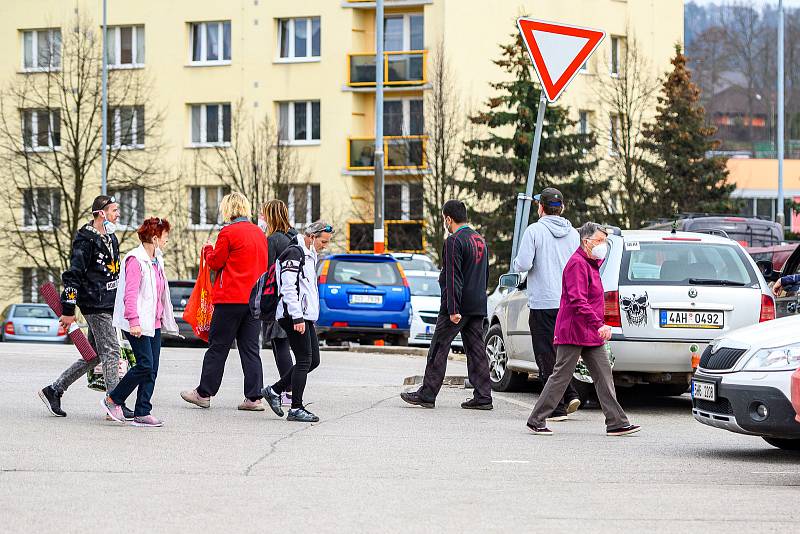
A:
{"points": [[581, 333], [142, 310]]}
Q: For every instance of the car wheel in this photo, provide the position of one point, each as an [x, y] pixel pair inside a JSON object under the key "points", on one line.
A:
{"points": [[401, 341], [502, 378], [786, 444]]}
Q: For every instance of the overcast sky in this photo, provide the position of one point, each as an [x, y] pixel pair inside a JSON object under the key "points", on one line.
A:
{"points": [[787, 3]]}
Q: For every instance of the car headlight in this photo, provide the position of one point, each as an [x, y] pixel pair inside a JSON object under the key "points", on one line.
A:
{"points": [[785, 358]]}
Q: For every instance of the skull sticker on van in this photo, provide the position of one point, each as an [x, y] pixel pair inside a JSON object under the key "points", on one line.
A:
{"points": [[635, 309]]}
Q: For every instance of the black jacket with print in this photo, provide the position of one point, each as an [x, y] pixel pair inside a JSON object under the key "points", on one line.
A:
{"points": [[465, 273], [91, 280]]}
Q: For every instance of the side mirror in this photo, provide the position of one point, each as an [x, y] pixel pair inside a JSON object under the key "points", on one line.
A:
{"points": [[765, 266], [510, 281]]}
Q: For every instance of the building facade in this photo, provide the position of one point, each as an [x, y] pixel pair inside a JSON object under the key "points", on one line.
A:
{"points": [[214, 68]]}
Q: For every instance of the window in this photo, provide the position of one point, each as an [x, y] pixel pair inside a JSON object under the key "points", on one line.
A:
{"points": [[125, 46], [615, 55], [131, 206], [211, 124], [41, 129], [41, 49], [41, 207], [403, 117], [614, 133], [211, 42], [299, 122], [404, 32], [303, 203], [32, 278], [204, 205], [403, 202], [299, 38], [126, 127], [583, 122]]}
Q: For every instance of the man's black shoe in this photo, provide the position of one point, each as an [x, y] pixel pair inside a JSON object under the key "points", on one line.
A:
{"points": [[273, 399], [413, 397], [302, 415], [52, 400], [472, 404], [127, 413]]}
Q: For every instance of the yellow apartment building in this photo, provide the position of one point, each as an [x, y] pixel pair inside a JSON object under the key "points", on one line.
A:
{"points": [[307, 65]]}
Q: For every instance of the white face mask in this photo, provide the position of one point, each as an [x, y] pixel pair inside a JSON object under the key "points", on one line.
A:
{"points": [[600, 252], [262, 224], [109, 226]]}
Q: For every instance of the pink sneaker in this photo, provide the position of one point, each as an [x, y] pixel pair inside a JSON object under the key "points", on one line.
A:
{"points": [[114, 411], [147, 420], [286, 398]]}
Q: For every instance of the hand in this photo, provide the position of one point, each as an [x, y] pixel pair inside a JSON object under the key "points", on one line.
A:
{"points": [[777, 287], [66, 321], [605, 332], [455, 318], [136, 331], [300, 328]]}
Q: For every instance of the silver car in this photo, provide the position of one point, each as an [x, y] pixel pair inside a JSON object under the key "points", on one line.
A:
{"points": [[667, 295], [31, 322]]}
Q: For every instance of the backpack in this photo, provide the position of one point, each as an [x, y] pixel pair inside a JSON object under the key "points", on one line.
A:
{"points": [[265, 295]]}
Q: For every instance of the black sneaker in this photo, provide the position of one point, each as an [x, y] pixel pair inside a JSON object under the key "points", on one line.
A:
{"points": [[128, 414], [472, 404], [52, 399], [413, 397], [302, 415], [623, 431], [544, 431], [273, 399]]}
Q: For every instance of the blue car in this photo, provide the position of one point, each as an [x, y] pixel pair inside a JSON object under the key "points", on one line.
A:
{"points": [[363, 298], [31, 322]]}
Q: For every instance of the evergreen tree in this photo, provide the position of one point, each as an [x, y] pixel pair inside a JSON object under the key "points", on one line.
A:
{"points": [[681, 176], [498, 162]]}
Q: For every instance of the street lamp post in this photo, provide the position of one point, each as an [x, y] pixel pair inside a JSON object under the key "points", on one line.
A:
{"points": [[378, 237], [104, 118], [780, 217]]}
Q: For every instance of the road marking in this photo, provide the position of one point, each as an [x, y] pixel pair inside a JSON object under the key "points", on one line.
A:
{"points": [[511, 461]]}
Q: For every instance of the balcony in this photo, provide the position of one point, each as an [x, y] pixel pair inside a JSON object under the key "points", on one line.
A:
{"points": [[370, 4], [399, 68], [400, 153]]}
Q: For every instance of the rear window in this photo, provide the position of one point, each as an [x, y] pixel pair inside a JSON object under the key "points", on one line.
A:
{"points": [[416, 264], [364, 273], [179, 296], [424, 286], [749, 233], [676, 263], [34, 312]]}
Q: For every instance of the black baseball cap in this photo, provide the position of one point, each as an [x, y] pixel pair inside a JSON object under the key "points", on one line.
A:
{"points": [[550, 196]]}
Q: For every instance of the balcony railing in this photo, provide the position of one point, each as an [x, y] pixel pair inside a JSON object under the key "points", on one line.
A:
{"points": [[400, 153], [399, 68]]}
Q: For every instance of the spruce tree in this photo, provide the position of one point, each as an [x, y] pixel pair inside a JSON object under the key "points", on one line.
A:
{"points": [[498, 162], [681, 176]]}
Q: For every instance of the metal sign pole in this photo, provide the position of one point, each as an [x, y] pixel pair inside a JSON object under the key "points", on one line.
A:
{"points": [[104, 106], [378, 236], [524, 202], [779, 214]]}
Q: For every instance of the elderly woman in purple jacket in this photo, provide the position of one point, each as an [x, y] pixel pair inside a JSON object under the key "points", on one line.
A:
{"points": [[581, 333]]}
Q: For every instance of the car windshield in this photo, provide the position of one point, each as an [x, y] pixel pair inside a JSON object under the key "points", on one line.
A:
{"points": [[416, 264], [364, 273], [424, 286], [686, 263], [179, 296], [34, 312]]}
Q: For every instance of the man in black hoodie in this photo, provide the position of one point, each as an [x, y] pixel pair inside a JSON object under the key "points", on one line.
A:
{"points": [[91, 284], [463, 279]]}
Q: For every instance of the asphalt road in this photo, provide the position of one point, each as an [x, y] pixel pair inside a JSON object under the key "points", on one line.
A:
{"points": [[373, 464]]}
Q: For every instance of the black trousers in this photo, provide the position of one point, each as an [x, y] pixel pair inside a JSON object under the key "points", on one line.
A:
{"points": [[543, 327], [471, 328], [306, 354], [283, 356], [229, 322]]}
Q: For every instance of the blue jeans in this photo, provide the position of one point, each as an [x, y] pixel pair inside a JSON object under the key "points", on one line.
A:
{"points": [[142, 375]]}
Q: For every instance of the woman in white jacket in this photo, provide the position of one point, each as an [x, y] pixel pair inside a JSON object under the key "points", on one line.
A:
{"points": [[142, 310], [297, 311]]}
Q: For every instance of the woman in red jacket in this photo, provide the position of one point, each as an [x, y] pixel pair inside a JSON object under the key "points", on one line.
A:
{"points": [[239, 258]]}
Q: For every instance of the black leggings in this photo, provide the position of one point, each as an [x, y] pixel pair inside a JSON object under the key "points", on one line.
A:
{"points": [[283, 357], [306, 353]]}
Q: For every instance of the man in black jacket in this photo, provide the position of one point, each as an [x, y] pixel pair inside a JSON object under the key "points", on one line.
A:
{"points": [[91, 284], [463, 279]]}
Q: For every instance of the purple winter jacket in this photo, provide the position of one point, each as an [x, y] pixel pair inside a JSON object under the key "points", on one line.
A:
{"points": [[580, 314]]}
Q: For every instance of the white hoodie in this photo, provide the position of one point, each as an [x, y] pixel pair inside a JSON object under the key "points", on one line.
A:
{"points": [[305, 305]]}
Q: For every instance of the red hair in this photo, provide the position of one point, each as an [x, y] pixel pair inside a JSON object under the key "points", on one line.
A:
{"points": [[152, 227]]}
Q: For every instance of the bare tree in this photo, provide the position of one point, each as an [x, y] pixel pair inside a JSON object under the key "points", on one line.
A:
{"points": [[50, 144], [711, 57], [628, 97]]}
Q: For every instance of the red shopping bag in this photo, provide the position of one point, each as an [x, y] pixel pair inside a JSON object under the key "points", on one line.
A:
{"points": [[199, 309]]}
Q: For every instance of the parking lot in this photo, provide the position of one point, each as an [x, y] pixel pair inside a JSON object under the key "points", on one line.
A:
{"points": [[373, 463]]}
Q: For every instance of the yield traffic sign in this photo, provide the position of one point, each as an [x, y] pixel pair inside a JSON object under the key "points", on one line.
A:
{"points": [[557, 51]]}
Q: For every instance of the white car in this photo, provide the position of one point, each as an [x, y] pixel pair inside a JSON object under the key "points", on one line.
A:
{"points": [[426, 298], [743, 382], [667, 295], [415, 262]]}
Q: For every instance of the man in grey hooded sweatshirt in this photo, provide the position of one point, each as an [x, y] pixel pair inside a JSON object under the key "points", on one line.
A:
{"points": [[544, 251]]}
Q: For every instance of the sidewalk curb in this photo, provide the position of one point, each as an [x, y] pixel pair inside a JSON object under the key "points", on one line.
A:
{"points": [[399, 351]]}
